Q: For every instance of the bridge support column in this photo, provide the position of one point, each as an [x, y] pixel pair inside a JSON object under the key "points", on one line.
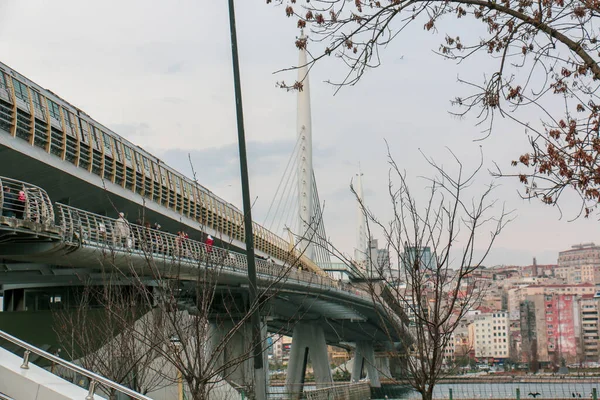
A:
{"points": [[237, 351], [308, 338], [382, 364], [364, 357]]}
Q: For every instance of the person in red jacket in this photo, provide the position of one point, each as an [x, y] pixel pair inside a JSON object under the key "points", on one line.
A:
{"points": [[209, 243]]}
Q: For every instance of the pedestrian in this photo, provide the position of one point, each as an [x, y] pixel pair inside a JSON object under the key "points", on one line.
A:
{"points": [[8, 205], [101, 231], [122, 231], [20, 205], [209, 243]]}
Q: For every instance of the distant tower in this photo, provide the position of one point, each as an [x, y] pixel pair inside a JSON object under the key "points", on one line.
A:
{"points": [[534, 269], [305, 165], [360, 251]]}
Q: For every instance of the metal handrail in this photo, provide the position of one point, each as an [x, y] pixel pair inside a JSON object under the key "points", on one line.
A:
{"points": [[25, 201], [84, 227], [93, 377]]}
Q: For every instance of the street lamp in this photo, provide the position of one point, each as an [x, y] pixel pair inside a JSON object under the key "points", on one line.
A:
{"points": [[176, 346]]}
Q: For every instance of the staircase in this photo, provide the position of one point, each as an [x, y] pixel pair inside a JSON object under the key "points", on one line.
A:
{"points": [[22, 380]]}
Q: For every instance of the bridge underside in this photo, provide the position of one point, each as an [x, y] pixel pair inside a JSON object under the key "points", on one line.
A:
{"points": [[341, 320]]}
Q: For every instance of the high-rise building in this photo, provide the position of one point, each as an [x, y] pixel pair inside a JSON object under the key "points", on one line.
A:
{"points": [[417, 257]]}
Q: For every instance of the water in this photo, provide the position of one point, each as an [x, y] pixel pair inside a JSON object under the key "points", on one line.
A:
{"points": [[564, 390]]}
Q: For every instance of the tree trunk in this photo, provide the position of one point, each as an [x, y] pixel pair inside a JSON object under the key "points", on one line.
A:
{"points": [[199, 393], [427, 394]]}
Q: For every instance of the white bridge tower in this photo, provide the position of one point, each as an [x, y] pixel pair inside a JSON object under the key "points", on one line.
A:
{"points": [[306, 204], [360, 251]]}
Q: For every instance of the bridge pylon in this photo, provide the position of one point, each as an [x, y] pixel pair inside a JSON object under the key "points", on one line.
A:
{"points": [[364, 357], [308, 338], [239, 347]]}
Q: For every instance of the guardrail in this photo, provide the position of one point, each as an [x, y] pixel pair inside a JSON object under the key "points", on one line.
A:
{"points": [[338, 391], [95, 379], [25, 201], [352, 391], [84, 227]]}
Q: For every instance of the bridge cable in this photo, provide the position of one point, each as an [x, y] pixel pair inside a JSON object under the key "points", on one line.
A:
{"points": [[322, 248], [291, 161], [288, 192]]}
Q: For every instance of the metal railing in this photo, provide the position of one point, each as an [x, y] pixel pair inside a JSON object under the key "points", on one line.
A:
{"points": [[25, 201], [351, 391], [86, 228], [95, 379]]}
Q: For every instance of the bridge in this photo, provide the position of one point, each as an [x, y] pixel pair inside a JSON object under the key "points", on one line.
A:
{"points": [[70, 177]]}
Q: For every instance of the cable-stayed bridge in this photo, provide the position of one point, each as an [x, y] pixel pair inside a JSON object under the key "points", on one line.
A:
{"points": [[76, 175]]}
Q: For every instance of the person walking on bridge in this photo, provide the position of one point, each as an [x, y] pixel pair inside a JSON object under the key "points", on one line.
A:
{"points": [[20, 204], [122, 231], [8, 205]]}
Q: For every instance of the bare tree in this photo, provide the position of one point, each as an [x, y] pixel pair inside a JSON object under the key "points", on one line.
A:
{"points": [[100, 333], [545, 61], [192, 322], [437, 244]]}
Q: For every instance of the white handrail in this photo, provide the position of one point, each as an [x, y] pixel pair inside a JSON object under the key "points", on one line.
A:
{"points": [[91, 229], [25, 201], [73, 367]]}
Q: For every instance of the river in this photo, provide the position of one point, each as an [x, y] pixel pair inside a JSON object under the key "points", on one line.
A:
{"points": [[562, 390]]}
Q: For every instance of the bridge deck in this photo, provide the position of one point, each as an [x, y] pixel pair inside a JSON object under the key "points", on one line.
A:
{"points": [[80, 238], [91, 166]]}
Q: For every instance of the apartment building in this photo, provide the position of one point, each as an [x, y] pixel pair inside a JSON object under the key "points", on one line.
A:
{"points": [[578, 255], [550, 328], [588, 311], [489, 334]]}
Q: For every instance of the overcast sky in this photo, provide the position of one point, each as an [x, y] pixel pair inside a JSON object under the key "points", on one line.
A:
{"points": [[159, 73]]}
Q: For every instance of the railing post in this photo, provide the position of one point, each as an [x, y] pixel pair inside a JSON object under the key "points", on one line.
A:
{"points": [[518, 394], [594, 394], [25, 364], [450, 393], [91, 391]]}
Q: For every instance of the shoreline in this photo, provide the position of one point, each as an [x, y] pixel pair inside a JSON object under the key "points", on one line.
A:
{"points": [[522, 379]]}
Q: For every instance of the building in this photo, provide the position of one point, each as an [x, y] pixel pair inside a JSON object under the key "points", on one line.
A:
{"points": [[588, 313], [489, 334], [281, 348], [533, 350], [550, 329], [379, 262], [417, 257], [571, 289], [580, 254], [494, 299], [563, 327], [579, 273]]}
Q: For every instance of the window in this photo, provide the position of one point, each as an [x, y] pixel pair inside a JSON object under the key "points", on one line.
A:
{"points": [[54, 110], [106, 142], [127, 153], [95, 135], [2, 80], [117, 147], [20, 90], [37, 101], [138, 163]]}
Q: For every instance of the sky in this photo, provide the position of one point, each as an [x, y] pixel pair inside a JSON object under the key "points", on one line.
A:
{"points": [[159, 73]]}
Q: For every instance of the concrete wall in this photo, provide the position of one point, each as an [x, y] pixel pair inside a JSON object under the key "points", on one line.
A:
{"points": [[34, 383]]}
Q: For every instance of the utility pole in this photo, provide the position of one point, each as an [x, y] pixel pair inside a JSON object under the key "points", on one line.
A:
{"points": [[260, 390]]}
